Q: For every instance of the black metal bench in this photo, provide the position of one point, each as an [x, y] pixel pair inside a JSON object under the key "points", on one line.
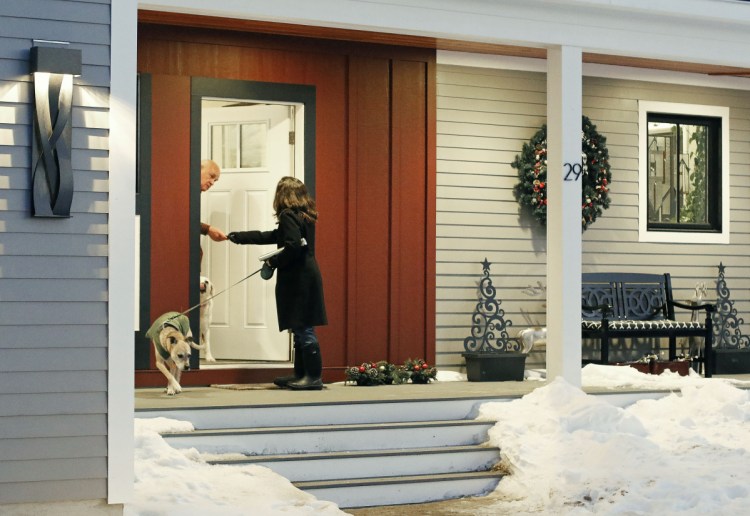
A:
{"points": [[632, 305]]}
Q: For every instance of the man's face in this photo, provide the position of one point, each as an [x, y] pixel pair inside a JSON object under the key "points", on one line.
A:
{"points": [[209, 175]]}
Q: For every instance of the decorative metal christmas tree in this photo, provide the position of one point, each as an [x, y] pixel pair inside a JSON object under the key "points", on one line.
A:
{"points": [[727, 332], [489, 331]]}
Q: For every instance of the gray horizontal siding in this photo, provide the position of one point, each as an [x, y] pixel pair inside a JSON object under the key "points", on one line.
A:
{"points": [[57, 314], [52, 30], [86, 181], [80, 223], [69, 425], [82, 117], [54, 245], [52, 403], [15, 156], [53, 273], [17, 48], [83, 202], [53, 491], [53, 359], [53, 448], [53, 469], [58, 10], [64, 267], [73, 290], [484, 118], [64, 381]]}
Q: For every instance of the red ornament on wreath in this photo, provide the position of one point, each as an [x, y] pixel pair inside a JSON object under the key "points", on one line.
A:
{"points": [[531, 190]]}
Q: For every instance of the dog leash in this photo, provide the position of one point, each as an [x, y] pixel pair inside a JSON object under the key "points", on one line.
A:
{"points": [[210, 298], [262, 258]]}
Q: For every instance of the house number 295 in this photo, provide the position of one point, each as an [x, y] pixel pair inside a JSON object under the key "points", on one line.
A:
{"points": [[573, 171]]}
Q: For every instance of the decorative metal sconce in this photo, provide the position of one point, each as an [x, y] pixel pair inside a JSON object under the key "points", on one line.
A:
{"points": [[53, 69]]}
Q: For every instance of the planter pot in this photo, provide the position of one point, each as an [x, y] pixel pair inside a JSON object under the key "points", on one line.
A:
{"points": [[643, 367], [731, 361], [681, 367], [495, 367]]}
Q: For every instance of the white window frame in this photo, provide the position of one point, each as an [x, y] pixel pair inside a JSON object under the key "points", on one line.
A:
{"points": [[681, 237]]}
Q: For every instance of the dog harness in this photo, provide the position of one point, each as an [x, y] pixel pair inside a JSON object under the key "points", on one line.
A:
{"points": [[175, 320]]}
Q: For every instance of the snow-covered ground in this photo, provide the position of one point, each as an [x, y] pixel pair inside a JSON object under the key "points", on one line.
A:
{"points": [[566, 452]]}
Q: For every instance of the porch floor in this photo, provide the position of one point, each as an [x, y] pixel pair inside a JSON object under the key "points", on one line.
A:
{"points": [[269, 394]]}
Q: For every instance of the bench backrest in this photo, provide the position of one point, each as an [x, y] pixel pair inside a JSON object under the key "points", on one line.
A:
{"points": [[633, 296]]}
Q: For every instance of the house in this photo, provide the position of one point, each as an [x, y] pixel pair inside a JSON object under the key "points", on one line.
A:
{"points": [[415, 198]]}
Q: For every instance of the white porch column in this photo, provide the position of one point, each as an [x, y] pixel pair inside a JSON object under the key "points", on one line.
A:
{"points": [[122, 150], [564, 70]]}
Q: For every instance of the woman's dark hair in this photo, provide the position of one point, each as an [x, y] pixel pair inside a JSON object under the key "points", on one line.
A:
{"points": [[291, 194]]}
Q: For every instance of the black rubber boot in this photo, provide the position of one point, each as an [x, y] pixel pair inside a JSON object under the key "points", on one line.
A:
{"points": [[299, 369], [313, 364]]}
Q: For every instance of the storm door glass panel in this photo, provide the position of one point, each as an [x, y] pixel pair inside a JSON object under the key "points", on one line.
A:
{"points": [[224, 149], [253, 145]]}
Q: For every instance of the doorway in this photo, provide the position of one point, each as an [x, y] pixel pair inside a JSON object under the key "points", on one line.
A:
{"points": [[169, 211], [254, 143], [257, 132]]}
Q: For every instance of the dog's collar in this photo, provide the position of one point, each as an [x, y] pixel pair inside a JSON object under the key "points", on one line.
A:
{"points": [[160, 349], [163, 352], [172, 323]]}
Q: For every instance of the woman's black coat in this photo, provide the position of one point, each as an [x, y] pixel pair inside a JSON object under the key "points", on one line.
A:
{"points": [[299, 286]]}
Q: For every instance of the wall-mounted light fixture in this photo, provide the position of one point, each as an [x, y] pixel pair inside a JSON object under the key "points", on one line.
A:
{"points": [[53, 69]]}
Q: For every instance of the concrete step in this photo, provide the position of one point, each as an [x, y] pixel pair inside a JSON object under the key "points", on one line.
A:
{"points": [[354, 453], [368, 492], [378, 463], [332, 438], [381, 411]]}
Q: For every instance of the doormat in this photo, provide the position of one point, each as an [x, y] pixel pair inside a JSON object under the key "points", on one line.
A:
{"points": [[245, 386]]}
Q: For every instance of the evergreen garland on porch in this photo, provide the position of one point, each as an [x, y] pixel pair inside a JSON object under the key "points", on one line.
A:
{"points": [[385, 373]]}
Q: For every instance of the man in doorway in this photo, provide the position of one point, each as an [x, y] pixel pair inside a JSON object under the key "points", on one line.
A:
{"points": [[210, 173]]}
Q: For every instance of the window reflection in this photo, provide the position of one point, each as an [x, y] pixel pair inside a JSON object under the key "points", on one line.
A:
{"points": [[678, 171]]}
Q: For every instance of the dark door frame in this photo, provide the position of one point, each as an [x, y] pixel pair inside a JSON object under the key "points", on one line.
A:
{"points": [[201, 87]]}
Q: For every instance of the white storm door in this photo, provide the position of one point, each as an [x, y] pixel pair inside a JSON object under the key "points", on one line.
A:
{"points": [[244, 323]]}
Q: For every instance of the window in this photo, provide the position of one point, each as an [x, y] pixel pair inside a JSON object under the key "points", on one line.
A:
{"points": [[238, 145], [684, 173]]}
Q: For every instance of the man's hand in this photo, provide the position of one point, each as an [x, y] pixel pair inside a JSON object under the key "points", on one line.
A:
{"points": [[216, 235]]}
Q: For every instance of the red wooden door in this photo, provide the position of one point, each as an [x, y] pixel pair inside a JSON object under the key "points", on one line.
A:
{"points": [[375, 183]]}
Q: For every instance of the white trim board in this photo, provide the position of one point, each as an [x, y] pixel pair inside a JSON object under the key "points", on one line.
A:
{"points": [[700, 31], [527, 64], [686, 237], [121, 294]]}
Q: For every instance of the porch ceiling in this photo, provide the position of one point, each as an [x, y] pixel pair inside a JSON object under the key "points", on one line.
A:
{"points": [[287, 29]]}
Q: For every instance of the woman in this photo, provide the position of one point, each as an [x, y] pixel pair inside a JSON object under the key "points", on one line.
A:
{"points": [[299, 286]]}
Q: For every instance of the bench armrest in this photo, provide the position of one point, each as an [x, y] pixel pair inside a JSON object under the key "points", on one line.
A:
{"points": [[708, 307]]}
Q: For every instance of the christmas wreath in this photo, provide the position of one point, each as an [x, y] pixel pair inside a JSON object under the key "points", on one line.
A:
{"points": [[595, 175]]}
